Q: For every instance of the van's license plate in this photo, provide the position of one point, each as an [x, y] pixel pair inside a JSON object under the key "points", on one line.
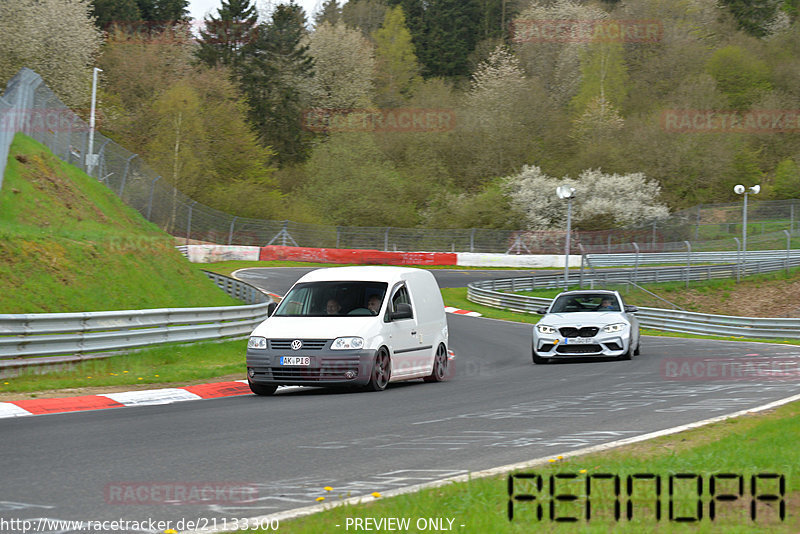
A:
{"points": [[296, 360]]}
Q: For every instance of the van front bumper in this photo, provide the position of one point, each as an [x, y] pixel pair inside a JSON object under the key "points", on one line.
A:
{"points": [[326, 367]]}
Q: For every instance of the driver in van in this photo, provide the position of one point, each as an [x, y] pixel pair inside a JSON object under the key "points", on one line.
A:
{"points": [[374, 304], [333, 307]]}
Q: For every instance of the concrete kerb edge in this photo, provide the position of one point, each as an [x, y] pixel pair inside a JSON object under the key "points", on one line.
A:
{"points": [[313, 509]]}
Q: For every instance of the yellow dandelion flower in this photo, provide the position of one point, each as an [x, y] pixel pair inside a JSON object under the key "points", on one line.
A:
{"points": [[551, 460], [582, 471], [328, 488], [156, 375], [139, 378], [376, 494], [124, 371], [560, 457], [170, 531], [320, 499]]}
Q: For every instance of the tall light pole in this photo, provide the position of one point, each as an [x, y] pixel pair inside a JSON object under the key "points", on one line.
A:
{"points": [[740, 189], [567, 193], [91, 158]]}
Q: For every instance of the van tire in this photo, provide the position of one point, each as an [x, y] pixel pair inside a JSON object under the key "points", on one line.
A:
{"points": [[439, 372], [381, 371], [262, 389]]}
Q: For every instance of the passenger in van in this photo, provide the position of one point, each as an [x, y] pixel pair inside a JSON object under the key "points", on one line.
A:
{"points": [[333, 307], [374, 304]]}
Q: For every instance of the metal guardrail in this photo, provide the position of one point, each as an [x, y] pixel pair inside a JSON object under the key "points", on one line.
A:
{"points": [[656, 258], [48, 338], [489, 293]]}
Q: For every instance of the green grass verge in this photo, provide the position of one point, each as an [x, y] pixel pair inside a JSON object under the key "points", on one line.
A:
{"points": [[68, 244], [170, 363], [747, 446]]}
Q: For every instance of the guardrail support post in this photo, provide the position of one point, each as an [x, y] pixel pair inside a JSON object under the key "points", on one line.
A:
{"points": [[738, 259], [636, 264], [472, 240], [386, 239]]}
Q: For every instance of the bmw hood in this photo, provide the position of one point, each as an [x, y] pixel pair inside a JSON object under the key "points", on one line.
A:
{"points": [[583, 318]]}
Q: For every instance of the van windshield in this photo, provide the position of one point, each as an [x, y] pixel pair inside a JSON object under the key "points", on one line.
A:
{"points": [[340, 298]]}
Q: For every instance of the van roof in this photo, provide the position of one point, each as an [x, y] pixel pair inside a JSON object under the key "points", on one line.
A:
{"points": [[370, 273]]}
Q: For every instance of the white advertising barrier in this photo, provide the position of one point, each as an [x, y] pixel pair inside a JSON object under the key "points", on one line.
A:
{"points": [[474, 259], [215, 253]]}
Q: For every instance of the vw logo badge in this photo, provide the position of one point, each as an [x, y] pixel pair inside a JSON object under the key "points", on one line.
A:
{"points": [[297, 344]]}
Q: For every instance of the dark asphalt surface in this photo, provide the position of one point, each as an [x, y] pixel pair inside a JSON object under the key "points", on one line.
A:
{"points": [[497, 409]]}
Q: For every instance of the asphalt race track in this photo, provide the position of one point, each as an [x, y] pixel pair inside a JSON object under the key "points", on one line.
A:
{"points": [[498, 409]]}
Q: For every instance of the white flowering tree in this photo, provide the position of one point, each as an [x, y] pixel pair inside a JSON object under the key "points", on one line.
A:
{"points": [[55, 38], [498, 110], [611, 199], [557, 64], [344, 67]]}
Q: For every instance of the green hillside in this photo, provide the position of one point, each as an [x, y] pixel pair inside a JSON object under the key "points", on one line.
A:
{"points": [[68, 244]]}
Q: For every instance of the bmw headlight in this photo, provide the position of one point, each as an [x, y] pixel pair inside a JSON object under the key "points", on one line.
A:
{"points": [[544, 329], [616, 327], [256, 342], [347, 343]]}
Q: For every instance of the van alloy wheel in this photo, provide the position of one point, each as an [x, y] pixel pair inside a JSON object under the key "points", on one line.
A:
{"points": [[439, 366], [381, 371]]}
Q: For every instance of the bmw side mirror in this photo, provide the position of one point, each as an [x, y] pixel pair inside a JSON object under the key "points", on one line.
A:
{"points": [[541, 311], [631, 309], [271, 308]]}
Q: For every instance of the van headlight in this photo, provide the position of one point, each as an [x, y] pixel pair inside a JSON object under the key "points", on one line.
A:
{"points": [[347, 343], [544, 329], [256, 342], [616, 327]]}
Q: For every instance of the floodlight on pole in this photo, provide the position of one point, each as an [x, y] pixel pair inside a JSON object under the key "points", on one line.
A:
{"points": [[739, 190], [91, 157], [567, 193]]}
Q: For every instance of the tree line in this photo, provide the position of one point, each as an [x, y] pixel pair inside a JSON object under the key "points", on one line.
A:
{"points": [[437, 113]]}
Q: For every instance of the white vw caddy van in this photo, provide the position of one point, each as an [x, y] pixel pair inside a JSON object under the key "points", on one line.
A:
{"points": [[352, 326]]}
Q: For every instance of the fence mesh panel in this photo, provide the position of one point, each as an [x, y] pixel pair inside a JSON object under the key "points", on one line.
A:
{"points": [[27, 99]]}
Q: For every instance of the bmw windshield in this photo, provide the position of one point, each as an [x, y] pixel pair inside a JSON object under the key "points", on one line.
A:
{"points": [[602, 302]]}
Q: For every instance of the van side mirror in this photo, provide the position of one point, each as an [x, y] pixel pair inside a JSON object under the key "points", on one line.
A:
{"points": [[271, 308], [541, 311], [403, 311], [630, 308]]}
